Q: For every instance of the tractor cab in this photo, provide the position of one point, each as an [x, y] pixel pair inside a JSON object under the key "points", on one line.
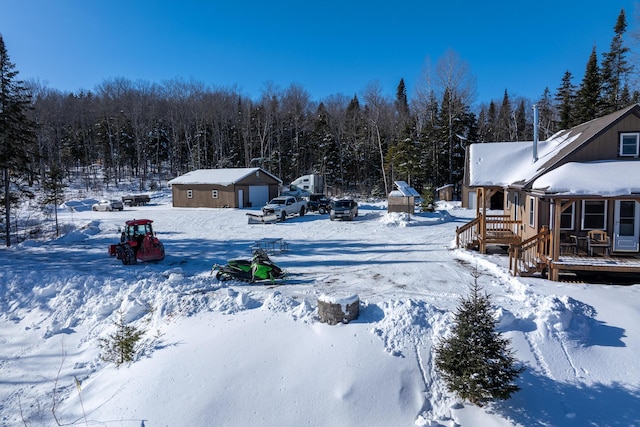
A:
{"points": [[137, 230], [138, 243]]}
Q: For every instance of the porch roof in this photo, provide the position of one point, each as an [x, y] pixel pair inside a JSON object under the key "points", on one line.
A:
{"points": [[604, 178]]}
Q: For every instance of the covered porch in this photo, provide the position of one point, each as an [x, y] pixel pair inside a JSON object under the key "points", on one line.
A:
{"points": [[586, 234], [488, 229], [534, 257]]}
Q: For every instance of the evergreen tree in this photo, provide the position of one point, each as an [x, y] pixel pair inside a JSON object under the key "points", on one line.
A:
{"points": [[475, 360], [358, 161], [54, 187], [565, 99], [615, 70], [401, 103], [324, 150], [588, 101], [428, 141], [505, 123], [402, 157], [492, 122], [546, 113], [123, 345], [17, 138], [520, 119]]}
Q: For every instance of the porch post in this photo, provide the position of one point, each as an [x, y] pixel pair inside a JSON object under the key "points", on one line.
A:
{"points": [[555, 231], [483, 222]]}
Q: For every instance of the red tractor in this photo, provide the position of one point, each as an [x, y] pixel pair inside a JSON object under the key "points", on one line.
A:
{"points": [[138, 243]]}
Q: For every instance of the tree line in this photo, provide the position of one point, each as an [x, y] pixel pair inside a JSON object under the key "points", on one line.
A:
{"points": [[362, 143]]}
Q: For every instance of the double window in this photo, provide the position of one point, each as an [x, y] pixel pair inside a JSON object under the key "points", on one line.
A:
{"points": [[629, 144], [594, 214]]}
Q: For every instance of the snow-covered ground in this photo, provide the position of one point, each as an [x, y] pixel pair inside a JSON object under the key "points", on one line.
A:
{"points": [[239, 354]]}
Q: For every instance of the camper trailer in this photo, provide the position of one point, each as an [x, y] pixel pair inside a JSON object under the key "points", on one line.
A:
{"points": [[311, 183]]}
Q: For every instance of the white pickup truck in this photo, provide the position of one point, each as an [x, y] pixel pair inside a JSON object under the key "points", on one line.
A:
{"points": [[284, 206]]}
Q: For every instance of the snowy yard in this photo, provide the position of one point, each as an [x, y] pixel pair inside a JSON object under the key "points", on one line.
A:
{"points": [[239, 354]]}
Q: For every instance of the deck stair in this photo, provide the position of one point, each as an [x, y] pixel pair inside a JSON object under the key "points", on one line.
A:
{"points": [[483, 231], [531, 256]]}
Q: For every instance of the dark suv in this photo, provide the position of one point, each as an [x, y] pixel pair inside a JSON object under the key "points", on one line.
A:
{"points": [[318, 202], [344, 209]]}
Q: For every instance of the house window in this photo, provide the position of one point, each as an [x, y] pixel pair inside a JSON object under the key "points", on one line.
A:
{"points": [[594, 214], [532, 212], [567, 217], [189, 194], [214, 194], [629, 144]]}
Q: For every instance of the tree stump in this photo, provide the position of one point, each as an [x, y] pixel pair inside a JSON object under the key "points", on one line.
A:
{"points": [[334, 310]]}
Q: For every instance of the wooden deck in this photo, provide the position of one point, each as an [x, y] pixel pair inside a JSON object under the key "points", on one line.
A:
{"points": [[615, 264], [533, 255]]}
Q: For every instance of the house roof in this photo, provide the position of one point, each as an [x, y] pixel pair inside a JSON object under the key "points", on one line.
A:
{"points": [[588, 178], [228, 176], [503, 164]]}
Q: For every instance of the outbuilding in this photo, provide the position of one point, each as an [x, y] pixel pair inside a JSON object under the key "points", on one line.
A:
{"points": [[403, 199], [445, 193], [224, 188]]}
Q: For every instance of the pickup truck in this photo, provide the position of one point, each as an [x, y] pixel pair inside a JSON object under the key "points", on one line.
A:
{"points": [[284, 206]]}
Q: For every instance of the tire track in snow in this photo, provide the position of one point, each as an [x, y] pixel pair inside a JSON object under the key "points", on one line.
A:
{"points": [[549, 314], [436, 407]]}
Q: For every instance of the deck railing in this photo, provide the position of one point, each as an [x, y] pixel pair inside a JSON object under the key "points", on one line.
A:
{"points": [[491, 229], [467, 234], [531, 254], [501, 223]]}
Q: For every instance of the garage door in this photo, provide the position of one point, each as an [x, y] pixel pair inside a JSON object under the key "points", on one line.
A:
{"points": [[258, 195]]}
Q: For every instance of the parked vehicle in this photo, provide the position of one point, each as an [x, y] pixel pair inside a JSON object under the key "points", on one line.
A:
{"points": [[320, 203], [108, 205], [259, 267], [138, 243], [344, 209], [310, 183], [136, 199], [283, 206]]}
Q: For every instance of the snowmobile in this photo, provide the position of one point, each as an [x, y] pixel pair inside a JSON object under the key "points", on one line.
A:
{"points": [[259, 267]]}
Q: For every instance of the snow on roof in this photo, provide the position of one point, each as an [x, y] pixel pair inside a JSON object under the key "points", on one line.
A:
{"points": [[511, 163], [218, 176], [606, 178], [405, 189], [505, 163]]}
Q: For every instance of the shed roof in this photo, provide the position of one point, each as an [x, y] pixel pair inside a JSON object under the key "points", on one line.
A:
{"points": [[405, 189], [227, 176]]}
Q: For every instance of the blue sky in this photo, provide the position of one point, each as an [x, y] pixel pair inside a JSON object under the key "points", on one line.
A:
{"points": [[327, 47]]}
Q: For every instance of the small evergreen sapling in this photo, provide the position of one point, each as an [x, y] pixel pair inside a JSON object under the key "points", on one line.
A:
{"points": [[123, 345], [474, 360], [428, 199]]}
